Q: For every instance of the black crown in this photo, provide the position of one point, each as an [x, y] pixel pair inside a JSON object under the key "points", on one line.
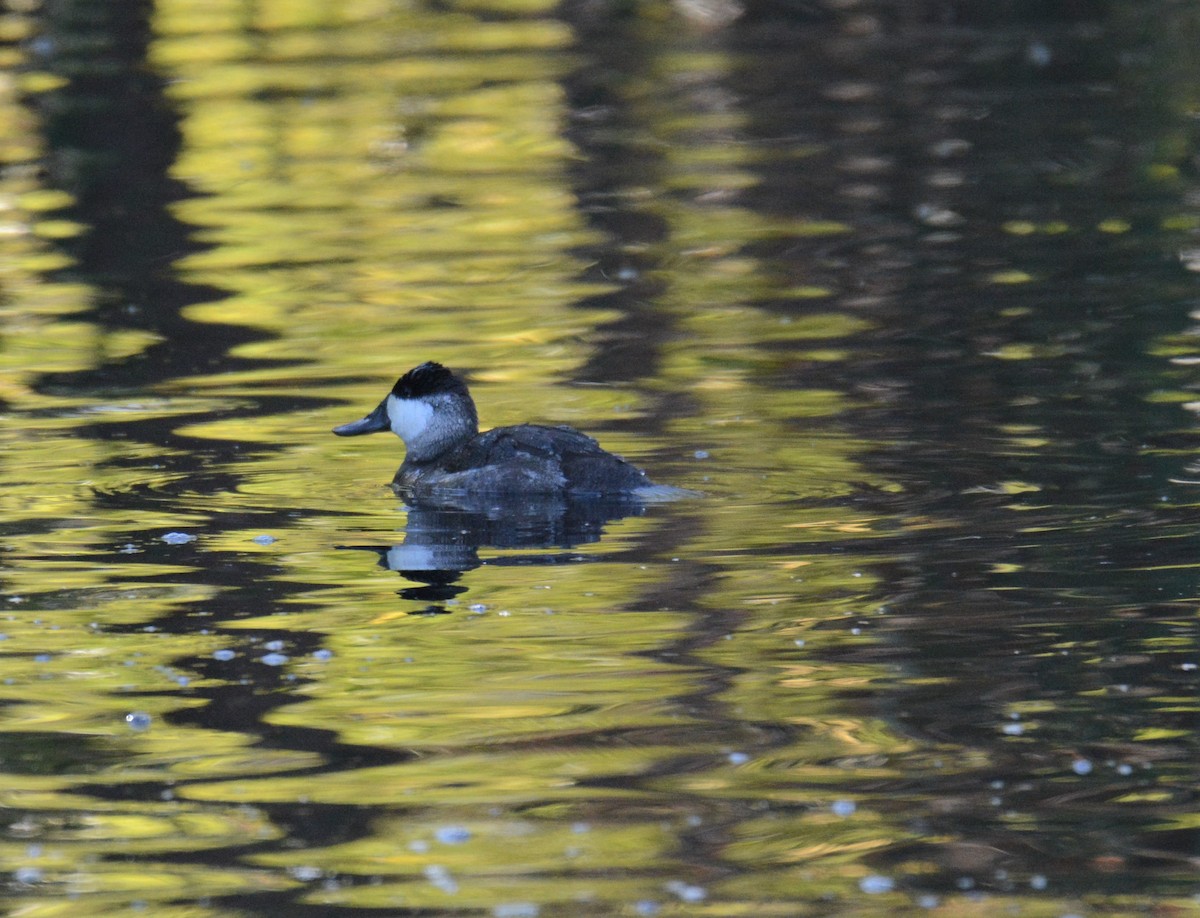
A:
{"points": [[428, 379]]}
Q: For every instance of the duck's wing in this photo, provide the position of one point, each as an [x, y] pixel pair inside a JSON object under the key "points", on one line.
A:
{"points": [[572, 460]]}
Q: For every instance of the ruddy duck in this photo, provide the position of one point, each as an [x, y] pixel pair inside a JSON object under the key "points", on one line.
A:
{"points": [[431, 410]]}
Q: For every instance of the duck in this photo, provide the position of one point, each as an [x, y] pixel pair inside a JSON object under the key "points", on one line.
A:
{"points": [[431, 410]]}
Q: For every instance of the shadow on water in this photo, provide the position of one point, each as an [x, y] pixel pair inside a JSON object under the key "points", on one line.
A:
{"points": [[1039, 597], [605, 124], [111, 139]]}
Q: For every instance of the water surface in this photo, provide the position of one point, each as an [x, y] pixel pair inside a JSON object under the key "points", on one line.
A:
{"points": [[907, 291]]}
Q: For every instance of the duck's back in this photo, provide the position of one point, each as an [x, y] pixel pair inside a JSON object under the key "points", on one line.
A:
{"points": [[531, 459]]}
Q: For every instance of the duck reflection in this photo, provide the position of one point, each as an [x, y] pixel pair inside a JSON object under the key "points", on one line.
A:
{"points": [[442, 541]]}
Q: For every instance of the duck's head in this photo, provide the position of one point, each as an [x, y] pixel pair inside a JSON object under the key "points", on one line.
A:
{"points": [[429, 408]]}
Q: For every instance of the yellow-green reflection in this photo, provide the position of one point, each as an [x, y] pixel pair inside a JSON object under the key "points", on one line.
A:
{"points": [[371, 185], [371, 209]]}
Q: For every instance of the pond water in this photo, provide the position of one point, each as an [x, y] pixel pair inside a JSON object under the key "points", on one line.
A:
{"points": [[907, 290]]}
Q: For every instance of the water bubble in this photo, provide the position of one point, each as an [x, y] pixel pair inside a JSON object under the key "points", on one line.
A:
{"points": [[43, 46], [322, 655], [516, 910], [1038, 54], [955, 146], [647, 907], [875, 884], [274, 659], [178, 538], [686, 892], [452, 835], [937, 216], [1082, 767], [701, 454], [264, 539], [1190, 258], [273, 645], [138, 720], [843, 808], [1037, 881], [440, 877], [27, 875], [224, 655], [738, 758]]}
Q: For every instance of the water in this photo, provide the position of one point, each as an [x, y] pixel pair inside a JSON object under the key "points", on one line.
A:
{"points": [[908, 291]]}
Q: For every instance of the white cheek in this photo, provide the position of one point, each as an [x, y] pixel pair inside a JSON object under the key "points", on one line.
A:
{"points": [[408, 418]]}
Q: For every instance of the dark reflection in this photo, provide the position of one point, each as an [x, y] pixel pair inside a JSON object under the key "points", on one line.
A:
{"points": [[111, 137], [617, 137], [29, 752], [1042, 574], [443, 542]]}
